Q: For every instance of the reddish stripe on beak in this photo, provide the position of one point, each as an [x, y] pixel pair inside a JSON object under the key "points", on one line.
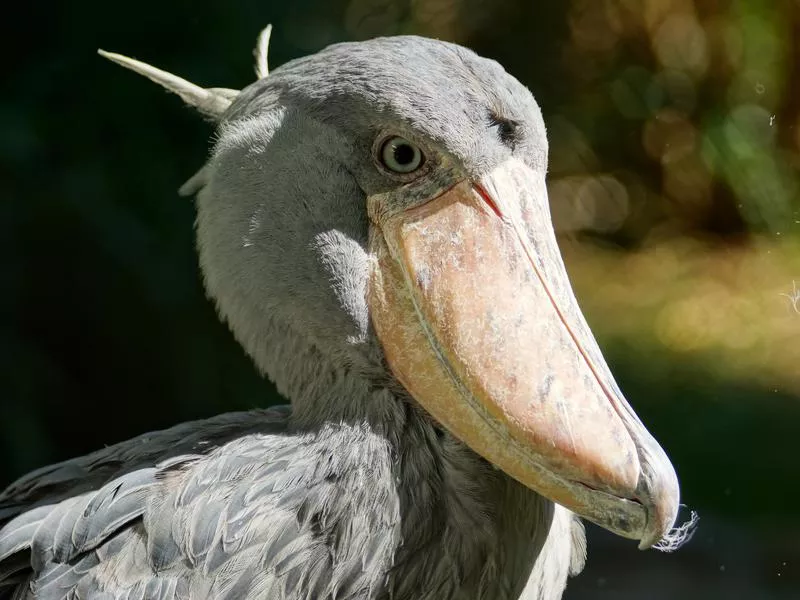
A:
{"points": [[487, 198]]}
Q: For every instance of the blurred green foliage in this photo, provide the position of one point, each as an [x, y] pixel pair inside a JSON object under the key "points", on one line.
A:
{"points": [[674, 187]]}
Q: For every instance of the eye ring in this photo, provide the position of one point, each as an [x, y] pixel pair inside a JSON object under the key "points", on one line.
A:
{"points": [[400, 156]]}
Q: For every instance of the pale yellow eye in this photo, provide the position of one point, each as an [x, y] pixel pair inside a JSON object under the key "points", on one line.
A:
{"points": [[401, 156]]}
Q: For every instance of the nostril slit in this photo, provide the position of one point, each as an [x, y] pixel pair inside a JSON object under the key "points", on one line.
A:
{"points": [[507, 129]]}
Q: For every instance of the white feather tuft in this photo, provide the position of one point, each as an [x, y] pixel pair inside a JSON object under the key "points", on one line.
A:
{"points": [[678, 536], [212, 102], [262, 52]]}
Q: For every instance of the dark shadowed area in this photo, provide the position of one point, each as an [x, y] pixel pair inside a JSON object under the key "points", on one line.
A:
{"points": [[674, 184]]}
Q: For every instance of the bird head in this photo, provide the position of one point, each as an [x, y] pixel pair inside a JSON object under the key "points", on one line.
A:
{"points": [[386, 201]]}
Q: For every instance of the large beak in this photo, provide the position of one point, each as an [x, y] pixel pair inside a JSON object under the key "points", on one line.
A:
{"points": [[474, 310]]}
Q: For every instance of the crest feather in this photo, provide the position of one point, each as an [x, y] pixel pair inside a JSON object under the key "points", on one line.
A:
{"points": [[212, 102]]}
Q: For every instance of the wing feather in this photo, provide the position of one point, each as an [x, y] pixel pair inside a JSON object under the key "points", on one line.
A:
{"points": [[235, 507]]}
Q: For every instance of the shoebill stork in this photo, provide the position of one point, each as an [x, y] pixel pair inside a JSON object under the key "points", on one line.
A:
{"points": [[373, 226]]}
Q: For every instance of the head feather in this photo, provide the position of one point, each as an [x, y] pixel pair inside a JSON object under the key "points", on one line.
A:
{"points": [[212, 102], [261, 52]]}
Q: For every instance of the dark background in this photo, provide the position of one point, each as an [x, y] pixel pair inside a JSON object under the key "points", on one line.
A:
{"points": [[674, 186]]}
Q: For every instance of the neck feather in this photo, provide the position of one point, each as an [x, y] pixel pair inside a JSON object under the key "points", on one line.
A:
{"points": [[465, 524]]}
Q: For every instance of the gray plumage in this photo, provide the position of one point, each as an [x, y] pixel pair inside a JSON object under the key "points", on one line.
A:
{"points": [[354, 493]]}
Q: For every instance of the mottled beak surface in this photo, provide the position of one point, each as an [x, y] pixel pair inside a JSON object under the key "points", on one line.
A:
{"points": [[477, 319]]}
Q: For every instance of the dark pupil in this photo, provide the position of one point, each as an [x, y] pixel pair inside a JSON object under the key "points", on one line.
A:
{"points": [[404, 154]]}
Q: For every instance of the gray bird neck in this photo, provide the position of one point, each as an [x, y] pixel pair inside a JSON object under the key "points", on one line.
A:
{"points": [[465, 529]]}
